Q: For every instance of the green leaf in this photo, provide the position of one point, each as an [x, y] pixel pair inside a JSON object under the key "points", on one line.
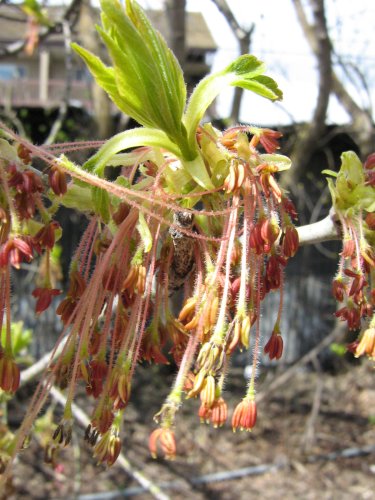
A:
{"points": [[170, 70], [280, 161], [245, 72], [78, 197], [197, 169], [21, 337], [332, 173], [129, 139], [101, 202], [349, 191], [8, 152], [104, 76], [144, 232], [338, 349], [146, 81]]}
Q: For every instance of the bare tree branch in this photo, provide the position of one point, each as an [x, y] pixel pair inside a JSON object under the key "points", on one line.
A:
{"points": [[310, 135], [243, 37], [325, 230], [363, 129]]}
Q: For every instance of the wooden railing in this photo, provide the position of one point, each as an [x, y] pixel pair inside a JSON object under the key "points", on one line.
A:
{"points": [[26, 92]]}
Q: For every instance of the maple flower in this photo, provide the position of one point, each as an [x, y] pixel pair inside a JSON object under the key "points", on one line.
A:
{"points": [[290, 241], [57, 180], [338, 289], [44, 298], [366, 344], [164, 437], [14, 252], [108, 448], [274, 346], [219, 413], [45, 237], [9, 373], [269, 139], [244, 415]]}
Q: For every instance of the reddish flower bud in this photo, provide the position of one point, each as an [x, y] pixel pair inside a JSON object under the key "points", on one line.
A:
{"points": [[24, 154], [219, 413], [269, 139], [350, 314], [104, 421], [204, 414], [9, 374], [370, 162], [245, 415], [165, 439], [14, 252], [44, 298], [45, 237], [57, 180], [269, 232], [290, 241], [272, 278], [274, 346], [289, 207], [338, 289], [348, 248], [99, 368]]}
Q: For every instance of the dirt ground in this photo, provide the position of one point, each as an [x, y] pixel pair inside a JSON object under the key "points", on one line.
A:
{"points": [[287, 437]]}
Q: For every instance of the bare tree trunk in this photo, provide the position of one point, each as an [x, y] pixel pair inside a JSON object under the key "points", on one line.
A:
{"points": [[101, 102], [311, 134], [177, 23], [362, 128], [244, 40]]}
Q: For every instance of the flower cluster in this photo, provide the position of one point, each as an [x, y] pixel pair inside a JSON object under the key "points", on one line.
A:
{"points": [[353, 287], [192, 208], [27, 229], [116, 312]]}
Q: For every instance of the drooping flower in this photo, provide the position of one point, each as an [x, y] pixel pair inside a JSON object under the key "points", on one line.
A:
{"points": [[9, 373], [245, 415], [274, 346], [366, 344], [44, 298], [164, 439]]}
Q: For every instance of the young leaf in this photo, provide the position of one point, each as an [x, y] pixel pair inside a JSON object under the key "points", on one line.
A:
{"points": [[246, 72], [129, 139], [101, 203], [280, 161], [144, 232], [146, 81]]}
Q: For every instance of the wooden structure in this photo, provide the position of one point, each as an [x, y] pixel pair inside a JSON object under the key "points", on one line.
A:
{"points": [[41, 80]]}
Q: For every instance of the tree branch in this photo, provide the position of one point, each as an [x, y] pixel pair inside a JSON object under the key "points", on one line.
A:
{"points": [[362, 127], [326, 229], [122, 461], [319, 40]]}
